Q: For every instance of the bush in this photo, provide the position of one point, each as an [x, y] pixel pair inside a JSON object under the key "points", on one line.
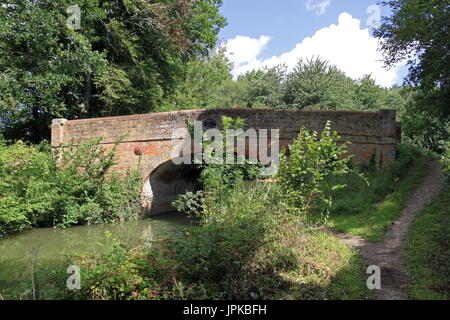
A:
{"points": [[26, 187], [218, 179], [39, 188], [238, 249], [90, 192], [311, 159]]}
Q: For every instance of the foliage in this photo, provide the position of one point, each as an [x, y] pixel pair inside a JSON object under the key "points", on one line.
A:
{"points": [[91, 192], [316, 83], [226, 254], [26, 188], [445, 160], [218, 178], [313, 84], [202, 84], [190, 202], [126, 58], [142, 274], [423, 126], [372, 97], [74, 186], [263, 88], [241, 252], [309, 161], [427, 251], [367, 210], [417, 31]]}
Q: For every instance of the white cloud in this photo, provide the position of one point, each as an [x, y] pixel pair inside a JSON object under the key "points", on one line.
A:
{"points": [[352, 49], [319, 6], [245, 49]]}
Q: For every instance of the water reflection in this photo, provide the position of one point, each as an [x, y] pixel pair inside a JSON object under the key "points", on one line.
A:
{"points": [[52, 244]]}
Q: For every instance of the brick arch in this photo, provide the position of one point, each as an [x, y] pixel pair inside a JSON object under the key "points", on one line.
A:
{"points": [[165, 183], [370, 133]]}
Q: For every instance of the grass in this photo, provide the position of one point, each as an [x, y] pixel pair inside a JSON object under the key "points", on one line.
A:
{"points": [[368, 210], [326, 269], [427, 251]]}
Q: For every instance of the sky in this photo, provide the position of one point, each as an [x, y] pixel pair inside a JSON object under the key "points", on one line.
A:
{"points": [[265, 33]]}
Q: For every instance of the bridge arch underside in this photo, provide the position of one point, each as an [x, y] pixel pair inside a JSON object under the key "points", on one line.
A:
{"points": [[165, 183]]}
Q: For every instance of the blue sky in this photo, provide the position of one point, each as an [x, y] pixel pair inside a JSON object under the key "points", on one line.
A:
{"points": [[267, 32]]}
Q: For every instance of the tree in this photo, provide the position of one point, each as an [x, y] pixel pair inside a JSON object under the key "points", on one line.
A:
{"points": [[418, 31], [202, 84], [263, 88], [315, 83], [127, 58], [372, 97]]}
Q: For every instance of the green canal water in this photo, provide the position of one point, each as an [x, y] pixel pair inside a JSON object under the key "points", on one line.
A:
{"points": [[49, 245]]}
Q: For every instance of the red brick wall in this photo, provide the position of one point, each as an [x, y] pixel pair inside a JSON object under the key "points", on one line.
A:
{"points": [[370, 133]]}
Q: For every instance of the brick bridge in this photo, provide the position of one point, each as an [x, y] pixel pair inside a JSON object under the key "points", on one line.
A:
{"points": [[372, 134]]}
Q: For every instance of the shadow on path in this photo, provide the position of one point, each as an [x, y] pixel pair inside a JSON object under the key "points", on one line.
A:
{"points": [[388, 254]]}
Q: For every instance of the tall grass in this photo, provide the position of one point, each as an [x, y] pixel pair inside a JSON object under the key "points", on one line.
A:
{"points": [[368, 209]]}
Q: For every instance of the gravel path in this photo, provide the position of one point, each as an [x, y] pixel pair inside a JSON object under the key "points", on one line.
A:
{"points": [[388, 253]]}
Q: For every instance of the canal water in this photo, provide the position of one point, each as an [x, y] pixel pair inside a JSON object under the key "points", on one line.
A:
{"points": [[49, 246]]}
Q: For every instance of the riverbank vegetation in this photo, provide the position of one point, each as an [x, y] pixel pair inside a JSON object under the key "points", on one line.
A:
{"points": [[60, 188]]}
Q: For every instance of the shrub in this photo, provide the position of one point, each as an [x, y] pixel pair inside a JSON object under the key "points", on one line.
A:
{"points": [[311, 159], [238, 249], [90, 192], [123, 273], [218, 179], [39, 188], [26, 186]]}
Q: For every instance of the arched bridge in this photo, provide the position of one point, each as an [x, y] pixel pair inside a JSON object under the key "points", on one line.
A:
{"points": [[373, 135]]}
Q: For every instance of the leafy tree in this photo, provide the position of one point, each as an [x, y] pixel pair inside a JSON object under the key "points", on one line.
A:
{"points": [[263, 88], [418, 31], [317, 84], [372, 97], [425, 128], [202, 83], [127, 58]]}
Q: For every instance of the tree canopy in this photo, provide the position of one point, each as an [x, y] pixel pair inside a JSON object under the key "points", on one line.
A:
{"points": [[418, 32], [126, 57]]}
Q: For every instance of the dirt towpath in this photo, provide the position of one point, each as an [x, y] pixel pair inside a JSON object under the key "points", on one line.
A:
{"points": [[388, 254]]}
